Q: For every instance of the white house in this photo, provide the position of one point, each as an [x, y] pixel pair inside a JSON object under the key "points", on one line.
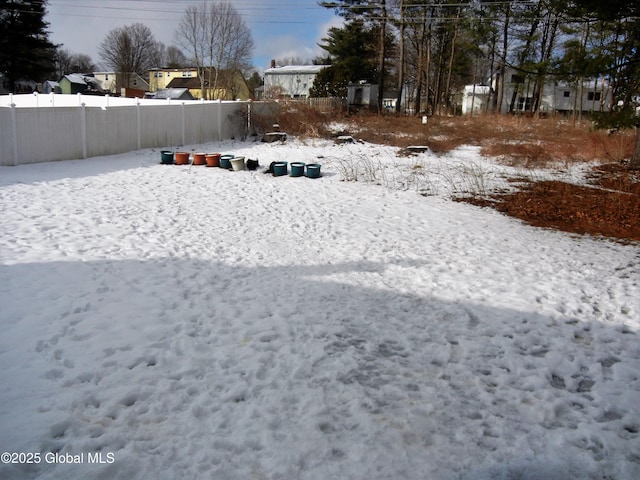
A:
{"points": [[293, 81], [557, 97], [110, 80], [475, 99]]}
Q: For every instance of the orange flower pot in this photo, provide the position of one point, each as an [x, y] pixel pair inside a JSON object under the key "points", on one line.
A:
{"points": [[213, 159], [199, 159], [182, 158]]}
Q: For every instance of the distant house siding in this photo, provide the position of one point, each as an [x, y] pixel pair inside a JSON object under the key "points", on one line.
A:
{"points": [[293, 81]]}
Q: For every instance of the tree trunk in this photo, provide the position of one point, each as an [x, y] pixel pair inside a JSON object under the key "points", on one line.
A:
{"points": [[450, 62], [502, 70], [420, 69], [401, 67], [635, 159], [382, 55]]}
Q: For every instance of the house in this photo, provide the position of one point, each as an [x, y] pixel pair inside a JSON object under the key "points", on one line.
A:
{"points": [[556, 96], [79, 83], [50, 87], [171, 94], [475, 99], [292, 81], [159, 78], [588, 96], [223, 85], [115, 83]]}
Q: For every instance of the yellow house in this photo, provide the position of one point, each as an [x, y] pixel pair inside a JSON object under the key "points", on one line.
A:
{"points": [[227, 85], [160, 78]]}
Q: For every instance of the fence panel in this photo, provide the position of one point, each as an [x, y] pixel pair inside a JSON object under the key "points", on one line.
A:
{"points": [[160, 125], [42, 135], [110, 130], [47, 133]]}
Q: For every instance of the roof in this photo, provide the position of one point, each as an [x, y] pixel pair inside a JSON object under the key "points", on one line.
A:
{"points": [[478, 89], [82, 79], [174, 93], [78, 78], [184, 82], [295, 69], [193, 83]]}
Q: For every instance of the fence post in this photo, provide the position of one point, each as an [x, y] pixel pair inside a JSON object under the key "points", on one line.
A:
{"points": [[249, 117], [14, 132], [139, 124], [219, 121], [83, 129], [184, 125]]}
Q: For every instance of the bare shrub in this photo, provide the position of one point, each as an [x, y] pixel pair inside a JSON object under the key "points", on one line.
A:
{"points": [[303, 121]]}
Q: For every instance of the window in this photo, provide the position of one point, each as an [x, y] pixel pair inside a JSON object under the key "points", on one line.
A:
{"points": [[567, 93], [593, 96], [524, 104]]}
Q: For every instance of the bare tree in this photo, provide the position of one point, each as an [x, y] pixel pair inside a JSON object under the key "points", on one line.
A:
{"points": [[217, 38], [128, 50], [292, 61], [174, 58], [67, 62]]}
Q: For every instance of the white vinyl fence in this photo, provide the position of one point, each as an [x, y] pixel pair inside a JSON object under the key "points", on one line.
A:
{"points": [[42, 128]]}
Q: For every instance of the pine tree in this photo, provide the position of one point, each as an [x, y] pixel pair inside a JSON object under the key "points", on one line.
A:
{"points": [[374, 13], [352, 59], [25, 50]]}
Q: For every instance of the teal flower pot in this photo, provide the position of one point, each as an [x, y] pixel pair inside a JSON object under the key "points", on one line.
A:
{"points": [[279, 169], [166, 157], [225, 161], [313, 170], [297, 169]]}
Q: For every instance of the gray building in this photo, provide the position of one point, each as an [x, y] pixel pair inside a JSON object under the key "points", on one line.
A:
{"points": [[293, 81]]}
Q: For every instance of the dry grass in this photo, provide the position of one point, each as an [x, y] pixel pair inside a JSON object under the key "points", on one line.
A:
{"points": [[610, 207], [303, 121]]}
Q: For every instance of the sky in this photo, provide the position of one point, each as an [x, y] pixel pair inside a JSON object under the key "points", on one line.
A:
{"points": [[280, 28]]}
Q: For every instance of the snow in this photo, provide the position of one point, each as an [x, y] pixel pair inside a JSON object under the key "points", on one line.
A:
{"points": [[190, 322]]}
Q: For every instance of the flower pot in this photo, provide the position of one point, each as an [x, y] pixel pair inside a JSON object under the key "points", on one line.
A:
{"points": [[182, 158], [212, 159], [237, 163], [313, 170], [279, 169], [199, 159], [166, 157], [225, 161], [297, 169], [252, 164]]}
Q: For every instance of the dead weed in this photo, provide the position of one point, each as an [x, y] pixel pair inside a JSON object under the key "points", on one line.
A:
{"points": [[610, 206]]}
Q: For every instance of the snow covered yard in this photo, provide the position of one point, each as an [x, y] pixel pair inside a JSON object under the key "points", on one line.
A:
{"points": [[189, 322]]}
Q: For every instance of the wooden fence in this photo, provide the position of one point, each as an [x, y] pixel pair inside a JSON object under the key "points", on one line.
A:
{"points": [[323, 104]]}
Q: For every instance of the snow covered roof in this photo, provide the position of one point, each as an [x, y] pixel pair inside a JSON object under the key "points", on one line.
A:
{"points": [[76, 78], [478, 89], [295, 69], [83, 79], [174, 93]]}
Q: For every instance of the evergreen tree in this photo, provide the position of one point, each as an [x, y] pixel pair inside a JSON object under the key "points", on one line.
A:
{"points": [[25, 50], [621, 59], [351, 57], [375, 14]]}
